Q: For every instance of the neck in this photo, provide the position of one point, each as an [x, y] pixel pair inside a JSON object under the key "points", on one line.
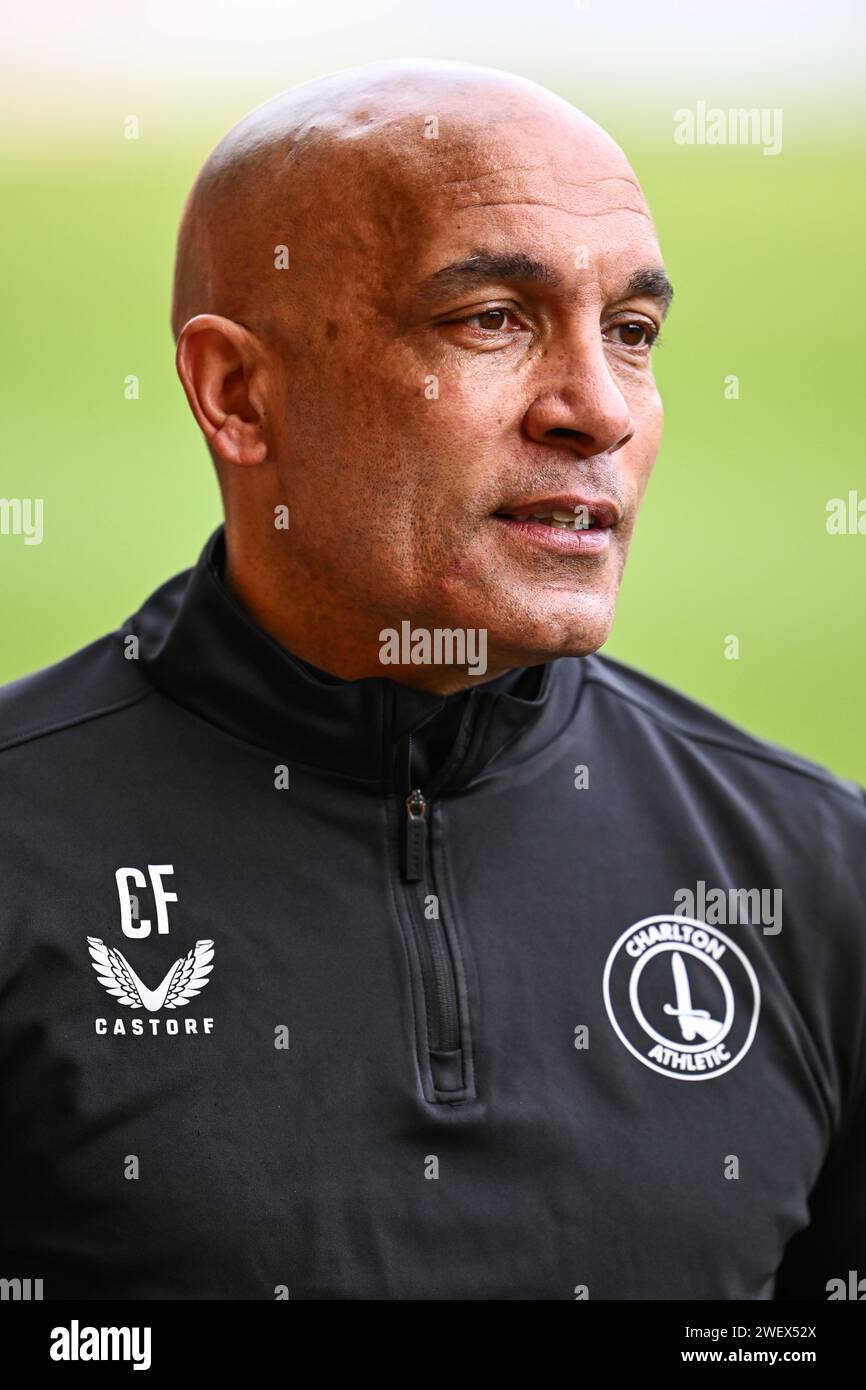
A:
{"points": [[342, 644]]}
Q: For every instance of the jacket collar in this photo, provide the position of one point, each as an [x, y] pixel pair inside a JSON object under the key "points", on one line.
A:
{"points": [[200, 647]]}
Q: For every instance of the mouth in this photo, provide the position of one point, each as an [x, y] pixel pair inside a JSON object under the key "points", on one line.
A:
{"points": [[569, 524]]}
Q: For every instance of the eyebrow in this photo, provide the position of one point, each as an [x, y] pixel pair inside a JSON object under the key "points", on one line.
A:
{"points": [[483, 266], [653, 282]]}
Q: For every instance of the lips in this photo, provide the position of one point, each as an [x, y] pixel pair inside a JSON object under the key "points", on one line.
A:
{"points": [[569, 511]]}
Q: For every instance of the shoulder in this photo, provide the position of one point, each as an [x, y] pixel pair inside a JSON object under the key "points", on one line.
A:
{"points": [[92, 684], [679, 722]]}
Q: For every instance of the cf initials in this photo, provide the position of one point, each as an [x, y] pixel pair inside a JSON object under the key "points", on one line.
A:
{"points": [[160, 897]]}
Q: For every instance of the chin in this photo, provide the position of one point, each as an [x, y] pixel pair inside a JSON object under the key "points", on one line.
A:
{"points": [[578, 631]]}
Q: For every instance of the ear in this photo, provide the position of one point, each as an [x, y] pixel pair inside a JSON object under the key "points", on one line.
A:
{"points": [[219, 363]]}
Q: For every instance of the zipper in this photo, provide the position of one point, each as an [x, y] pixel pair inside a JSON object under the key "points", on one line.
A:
{"points": [[438, 967], [437, 964], [415, 837]]}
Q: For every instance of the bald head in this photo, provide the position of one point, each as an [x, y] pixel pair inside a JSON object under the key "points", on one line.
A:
{"points": [[412, 301], [336, 159]]}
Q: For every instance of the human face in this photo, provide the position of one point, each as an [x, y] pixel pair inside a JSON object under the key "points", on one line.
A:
{"points": [[482, 352]]}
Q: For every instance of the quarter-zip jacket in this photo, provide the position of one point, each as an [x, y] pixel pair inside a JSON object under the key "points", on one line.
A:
{"points": [[331, 989]]}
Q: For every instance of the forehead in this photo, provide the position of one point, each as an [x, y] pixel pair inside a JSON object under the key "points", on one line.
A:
{"points": [[559, 164], [392, 205], [558, 190]]}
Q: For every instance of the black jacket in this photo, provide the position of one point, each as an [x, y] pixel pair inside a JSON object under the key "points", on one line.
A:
{"points": [[329, 989]]}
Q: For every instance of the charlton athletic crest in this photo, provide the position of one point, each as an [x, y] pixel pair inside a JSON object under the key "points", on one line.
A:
{"points": [[682, 996]]}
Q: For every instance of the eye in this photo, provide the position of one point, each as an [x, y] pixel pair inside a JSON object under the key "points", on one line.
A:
{"points": [[634, 331], [492, 320]]}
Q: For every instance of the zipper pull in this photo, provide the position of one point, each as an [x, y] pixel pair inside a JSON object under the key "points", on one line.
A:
{"points": [[415, 837]]}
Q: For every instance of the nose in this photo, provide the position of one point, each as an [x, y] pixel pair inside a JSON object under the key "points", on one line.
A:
{"points": [[584, 406]]}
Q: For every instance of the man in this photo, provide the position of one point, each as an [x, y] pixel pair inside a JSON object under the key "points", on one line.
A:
{"points": [[365, 935]]}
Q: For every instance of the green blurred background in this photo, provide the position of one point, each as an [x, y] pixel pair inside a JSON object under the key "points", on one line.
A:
{"points": [[765, 253]]}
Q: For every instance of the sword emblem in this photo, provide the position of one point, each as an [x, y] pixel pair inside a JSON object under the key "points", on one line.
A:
{"points": [[692, 1021]]}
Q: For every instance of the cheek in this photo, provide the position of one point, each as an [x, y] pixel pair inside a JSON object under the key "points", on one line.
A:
{"points": [[467, 436], [648, 414], [652, 407]]}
